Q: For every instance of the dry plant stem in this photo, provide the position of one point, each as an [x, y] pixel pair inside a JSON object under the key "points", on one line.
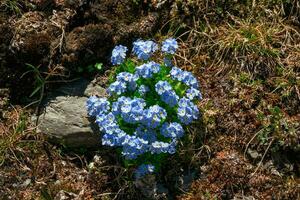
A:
{"points": [[185, 59], [208, 152], [265, 153], [247, 146], [61, 41]]}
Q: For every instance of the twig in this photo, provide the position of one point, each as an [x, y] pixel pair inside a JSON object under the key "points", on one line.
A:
{"points": [[62, 36], [247, 146], [185, 59], [297, 91], [260, 162]]}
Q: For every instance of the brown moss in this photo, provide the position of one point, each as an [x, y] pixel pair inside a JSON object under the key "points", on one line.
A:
{"points": [[25, 155], [87, 42], [229, 175]]}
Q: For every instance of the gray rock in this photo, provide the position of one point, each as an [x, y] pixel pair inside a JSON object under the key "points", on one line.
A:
{"points": [[64, 118], [253, 153]]}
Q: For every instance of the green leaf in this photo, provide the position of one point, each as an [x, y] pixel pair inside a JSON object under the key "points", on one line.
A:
{"points": [[99, 66], [36, 90], [80, 69], [90, 68]]}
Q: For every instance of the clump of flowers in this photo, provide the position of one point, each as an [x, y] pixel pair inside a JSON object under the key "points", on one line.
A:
{"points": [[149, 105]]}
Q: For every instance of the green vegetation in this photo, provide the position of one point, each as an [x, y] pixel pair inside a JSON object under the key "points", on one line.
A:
{"points": [[278, 129], [14, 6], [12, 134], [91, 68]]}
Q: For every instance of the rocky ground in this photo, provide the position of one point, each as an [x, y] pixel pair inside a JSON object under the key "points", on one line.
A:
{"points": [[246, 56]]}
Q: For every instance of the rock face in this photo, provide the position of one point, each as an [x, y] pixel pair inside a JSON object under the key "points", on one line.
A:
{"points": [[65, 119]]}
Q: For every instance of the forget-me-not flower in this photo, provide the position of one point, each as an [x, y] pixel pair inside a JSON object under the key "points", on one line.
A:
{"points": [[143, 170], [144, 49], [118, 55], [169, 46], [172, 130]]}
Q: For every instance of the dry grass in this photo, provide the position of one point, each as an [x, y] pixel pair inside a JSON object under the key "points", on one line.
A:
{"points": [[248, 66], [32, 168], [258, 48], [12, 131]]}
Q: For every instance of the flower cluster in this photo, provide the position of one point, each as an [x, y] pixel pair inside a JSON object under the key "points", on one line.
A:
{"points": [[147, 70], [144, 49], [124, 81], [132, 110], [143, 89], [172, 130], [187, 111], [97, 106], [167, 94], [118, 54], [147, 107], [184, 76], [169, 46], [153, 116]]}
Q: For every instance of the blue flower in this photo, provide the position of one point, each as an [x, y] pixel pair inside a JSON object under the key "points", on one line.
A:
{"points": [[162, 86], [184, 76], [107, 123], [132, 111], [143, 89], [117, 87], [148, 69], [154, 116], [97, 105], [144, 49], [187, 111], [143, 170], [168, 62], [116, 106], [170, 98], [190, 80], [115, 139], [172, 130], [90, 105], [169, 46], [163, 147], [133, 147], [146, 134], [129, 79], [176, 73], [193, 93], [155, 67], [118, 55], [164, 89]]}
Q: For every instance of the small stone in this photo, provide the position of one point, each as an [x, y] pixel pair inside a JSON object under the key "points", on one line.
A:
{"points": [[91, 166], [65, 119], [254, 154], [64, 163], [63, 195], [26, 183]]}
